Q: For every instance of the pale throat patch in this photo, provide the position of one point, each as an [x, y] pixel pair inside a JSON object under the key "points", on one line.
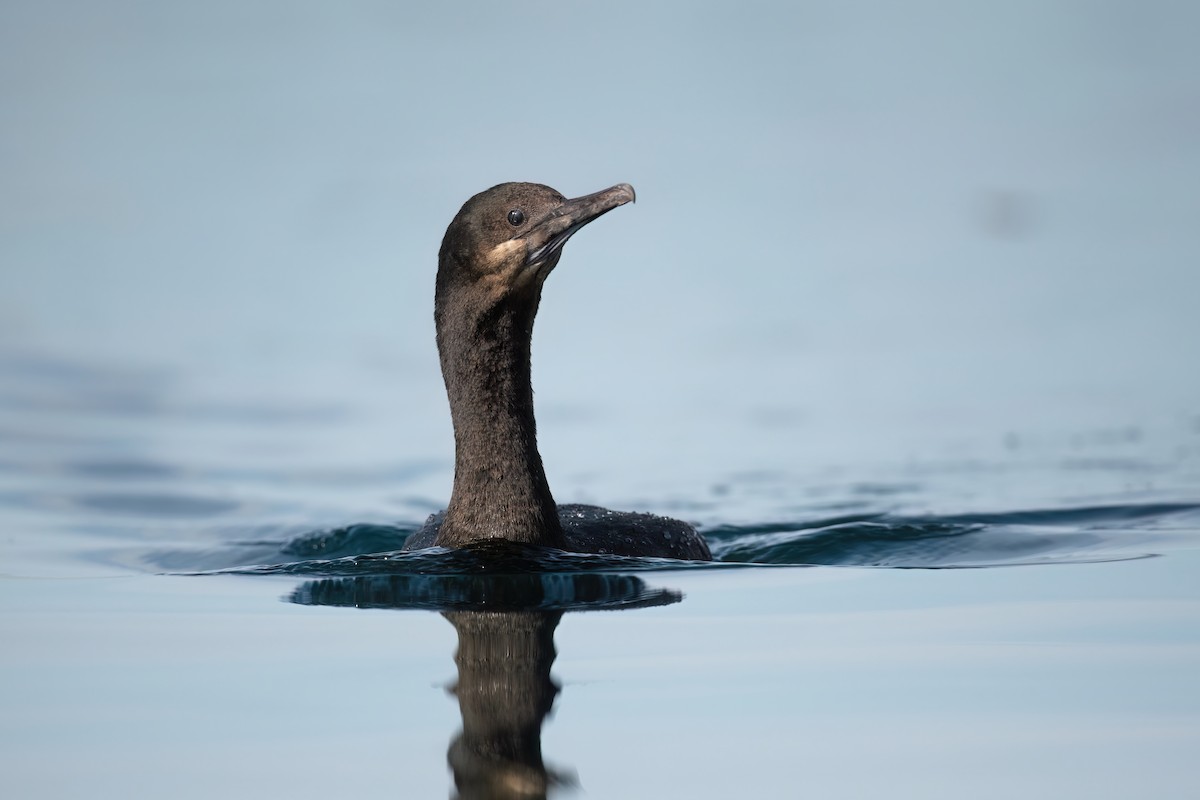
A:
{"points": [[504, 254], [506, 270]]}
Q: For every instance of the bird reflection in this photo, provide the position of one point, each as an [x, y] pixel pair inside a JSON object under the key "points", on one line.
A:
{"points": [[504, 692], [505, 626]]}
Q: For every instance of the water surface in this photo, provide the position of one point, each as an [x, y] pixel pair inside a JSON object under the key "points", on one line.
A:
{"points": [[904, 320]]}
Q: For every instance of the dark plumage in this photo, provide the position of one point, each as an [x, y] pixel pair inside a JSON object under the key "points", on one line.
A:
{"points": [[493, 261]]}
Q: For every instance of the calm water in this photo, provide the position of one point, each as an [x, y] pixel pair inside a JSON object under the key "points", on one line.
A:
{"points": [[904, 319]]}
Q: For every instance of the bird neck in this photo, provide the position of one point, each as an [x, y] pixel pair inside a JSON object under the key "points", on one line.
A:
{"points": [[500, 488]]}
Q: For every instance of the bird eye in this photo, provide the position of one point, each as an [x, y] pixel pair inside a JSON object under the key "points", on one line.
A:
{"points": [[516, 217]]}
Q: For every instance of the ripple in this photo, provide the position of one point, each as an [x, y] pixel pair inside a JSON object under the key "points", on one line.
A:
{"points": [[1063, 535], [156, 505], [493, 558], [126, 469], [349, 541], [1038, 536]]}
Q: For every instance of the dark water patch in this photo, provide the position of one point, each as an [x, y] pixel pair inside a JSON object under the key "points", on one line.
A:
{"points": [[59, 387], [288, 476], [1105, 437], [46, 368], [1129, 466], [72, 378], [114, 402], [155, 505], [122, 469], [524, 592], [40, 384], [398, 474], [149, 508], [261, 415], [885, 489], [45, 437]]}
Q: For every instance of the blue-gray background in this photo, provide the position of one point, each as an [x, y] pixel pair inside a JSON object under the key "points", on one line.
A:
{"points": [[915, 258], [854, 218]]}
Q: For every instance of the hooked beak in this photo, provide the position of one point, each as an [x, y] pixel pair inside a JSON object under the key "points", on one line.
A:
{"points": [[548, 236]]}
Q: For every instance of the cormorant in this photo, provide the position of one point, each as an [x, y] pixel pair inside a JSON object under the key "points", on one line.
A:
{"points": [[494, 258]]}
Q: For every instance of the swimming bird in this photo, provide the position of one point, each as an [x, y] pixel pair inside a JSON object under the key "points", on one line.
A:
{"points": [[494, 259]]}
